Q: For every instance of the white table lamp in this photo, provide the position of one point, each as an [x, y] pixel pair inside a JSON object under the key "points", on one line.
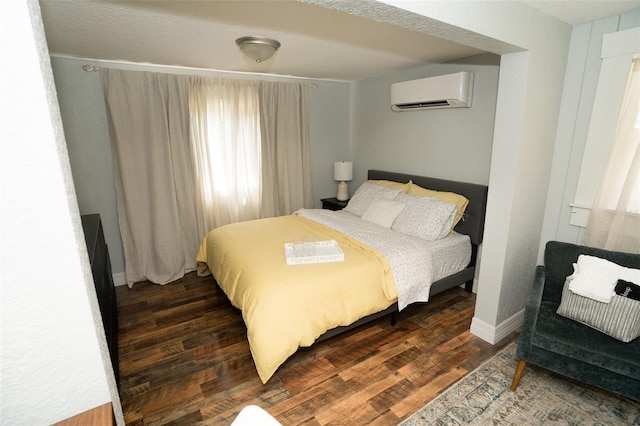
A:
{"points": [[343, 173]]}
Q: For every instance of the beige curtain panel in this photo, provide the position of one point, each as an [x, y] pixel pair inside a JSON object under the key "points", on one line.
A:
{"points": [[149, 127], [286, 153], [225, 136]]}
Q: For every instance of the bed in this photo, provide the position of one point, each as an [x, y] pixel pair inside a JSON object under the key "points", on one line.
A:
{"points": [[386, 265]]}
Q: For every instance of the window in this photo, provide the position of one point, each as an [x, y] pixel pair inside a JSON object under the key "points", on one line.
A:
{"points": [[225, 128], [618, 52], [614, 219], [620, 185]]}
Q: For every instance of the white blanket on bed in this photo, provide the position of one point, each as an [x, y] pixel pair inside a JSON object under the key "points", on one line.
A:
{"points": [[416, 263]]}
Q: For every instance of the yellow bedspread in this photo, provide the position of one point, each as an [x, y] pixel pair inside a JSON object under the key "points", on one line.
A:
{"points": [[287, 306]]}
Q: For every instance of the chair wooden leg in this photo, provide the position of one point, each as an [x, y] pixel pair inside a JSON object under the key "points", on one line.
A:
{"points": [[519, 370]]}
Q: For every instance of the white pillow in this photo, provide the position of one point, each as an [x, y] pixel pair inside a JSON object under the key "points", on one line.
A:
{"points": [[383, 212], [367, 194], [424, 217]]}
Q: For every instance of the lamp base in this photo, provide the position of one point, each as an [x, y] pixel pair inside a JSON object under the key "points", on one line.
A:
{"points": [[343, 191]]}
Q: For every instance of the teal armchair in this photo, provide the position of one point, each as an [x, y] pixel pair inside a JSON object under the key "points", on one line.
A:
{"points": [[568, 347]]}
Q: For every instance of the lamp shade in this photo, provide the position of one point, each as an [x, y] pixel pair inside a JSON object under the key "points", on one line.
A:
{"points": [[343, 171]]}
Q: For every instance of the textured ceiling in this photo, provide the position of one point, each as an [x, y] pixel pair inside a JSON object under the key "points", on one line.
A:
{"points": [[351, 41], [577, 12]]}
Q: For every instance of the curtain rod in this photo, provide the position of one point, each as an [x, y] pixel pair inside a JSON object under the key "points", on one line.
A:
{"points": [[91, 68]]}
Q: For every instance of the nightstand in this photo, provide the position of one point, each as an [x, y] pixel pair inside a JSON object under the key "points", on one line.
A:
{"points": [[333, 203]]}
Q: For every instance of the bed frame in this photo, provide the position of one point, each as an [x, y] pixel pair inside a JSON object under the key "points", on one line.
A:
{"points": [[472, 224]]}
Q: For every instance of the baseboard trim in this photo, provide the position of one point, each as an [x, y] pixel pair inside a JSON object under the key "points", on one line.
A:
{"points": [[494, 334], [119, 279]]}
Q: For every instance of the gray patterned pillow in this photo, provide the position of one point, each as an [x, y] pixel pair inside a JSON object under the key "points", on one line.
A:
{"points": [[424, 217], [619, 318], [367, 194]]}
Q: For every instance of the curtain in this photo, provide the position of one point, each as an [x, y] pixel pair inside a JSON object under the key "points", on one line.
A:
{"points": [[614, 220], [192, 153], [286, 154], [148, 119], [225, 135]]}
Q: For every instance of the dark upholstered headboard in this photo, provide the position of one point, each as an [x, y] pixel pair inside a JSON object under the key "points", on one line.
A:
{"points": [[472, 223]]}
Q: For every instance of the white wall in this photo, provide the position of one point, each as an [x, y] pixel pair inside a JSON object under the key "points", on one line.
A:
{"points": [[330, 128], [581, 80], [55, 361], [84, 117], [445, 143], [87, 134]]}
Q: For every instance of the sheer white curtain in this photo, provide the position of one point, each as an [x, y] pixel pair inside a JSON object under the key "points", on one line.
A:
{"points": [[148, 119], [252, 150], [225, 136], [614, 220]]}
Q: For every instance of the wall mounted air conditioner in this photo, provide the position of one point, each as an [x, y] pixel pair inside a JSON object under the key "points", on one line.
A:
{"points": [[443, 91]]}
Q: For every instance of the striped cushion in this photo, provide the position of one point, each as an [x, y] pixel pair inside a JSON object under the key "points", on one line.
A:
{"points": [[619, 318]]}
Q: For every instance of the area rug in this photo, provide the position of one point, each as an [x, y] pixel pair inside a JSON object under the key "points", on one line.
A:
{"points": [[483, 398]]}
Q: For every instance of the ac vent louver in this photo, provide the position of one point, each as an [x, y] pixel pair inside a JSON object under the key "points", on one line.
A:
{"points": [[422, 105]]}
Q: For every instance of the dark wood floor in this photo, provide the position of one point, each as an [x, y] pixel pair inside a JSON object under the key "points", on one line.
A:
{"points": [[184, 360]]}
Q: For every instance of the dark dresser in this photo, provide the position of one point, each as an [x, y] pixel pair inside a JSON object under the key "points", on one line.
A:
{"points": [[103, 279]]}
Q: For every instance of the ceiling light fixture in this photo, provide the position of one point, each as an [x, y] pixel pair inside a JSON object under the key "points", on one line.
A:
{"points": [[258, 49]]}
